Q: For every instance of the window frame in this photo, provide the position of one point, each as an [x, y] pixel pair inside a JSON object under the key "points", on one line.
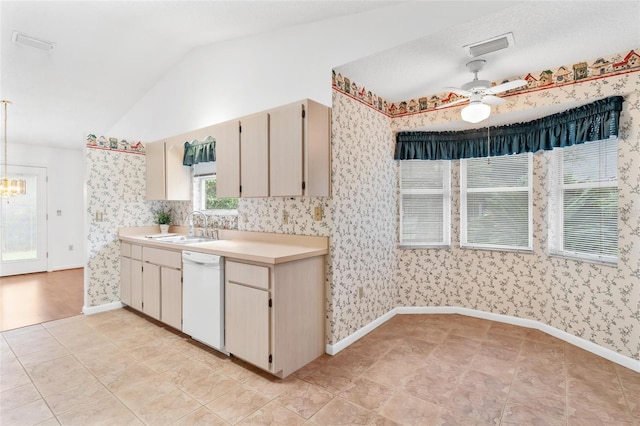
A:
{"points": [[556, 216], [446, 207], [463, 207]]}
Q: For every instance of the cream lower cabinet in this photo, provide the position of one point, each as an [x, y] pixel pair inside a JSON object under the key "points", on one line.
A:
{"points": [[171, 297], [274, 314], [161, 289], [131, 275], [151, 282]]}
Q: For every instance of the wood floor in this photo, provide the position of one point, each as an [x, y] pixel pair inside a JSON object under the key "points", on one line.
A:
{"points": [[35, 298]]}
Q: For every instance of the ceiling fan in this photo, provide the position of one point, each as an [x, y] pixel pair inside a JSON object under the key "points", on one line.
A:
{"points": [[480, 94]]}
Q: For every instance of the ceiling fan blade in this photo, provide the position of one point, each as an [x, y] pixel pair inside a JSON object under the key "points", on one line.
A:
{"points": [[457, 91], [448, 104], [492, 100], [505, 86]]}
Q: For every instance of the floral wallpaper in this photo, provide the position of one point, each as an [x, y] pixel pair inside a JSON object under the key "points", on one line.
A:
{"points": [[364, 230], [599, 303], [115, 185]]}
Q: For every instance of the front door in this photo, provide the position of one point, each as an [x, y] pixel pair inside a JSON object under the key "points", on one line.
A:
{"points": [[23, 229]]}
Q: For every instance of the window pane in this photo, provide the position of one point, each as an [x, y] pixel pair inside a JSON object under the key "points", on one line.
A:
{"points": [[20, 224], [213, 203], [591, 221], [584, 201], [498, 218], [498, 172], [425, 202], [591, 162], [496, 201], [422, 218], [422, 175]]}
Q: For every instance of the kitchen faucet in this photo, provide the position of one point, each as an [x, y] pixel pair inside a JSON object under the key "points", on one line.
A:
{"points": [[190, 222]]}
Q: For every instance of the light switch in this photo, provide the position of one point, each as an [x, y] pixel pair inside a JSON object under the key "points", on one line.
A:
{"points": [[317, 213]]}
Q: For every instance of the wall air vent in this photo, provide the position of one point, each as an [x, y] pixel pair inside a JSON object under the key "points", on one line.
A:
{"points": [[25, 40], [491, 45]]}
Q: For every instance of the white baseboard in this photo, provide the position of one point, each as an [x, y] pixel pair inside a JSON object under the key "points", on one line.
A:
{"points": [[335, 348], [65, 267], [90, 310], [606, 353]]}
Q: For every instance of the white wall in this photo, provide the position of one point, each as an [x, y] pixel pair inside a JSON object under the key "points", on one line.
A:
{"points": [[65, 192], [230, 79]]}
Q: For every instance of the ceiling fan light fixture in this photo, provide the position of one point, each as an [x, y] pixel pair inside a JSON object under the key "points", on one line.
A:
{"points": [[475, 112]]}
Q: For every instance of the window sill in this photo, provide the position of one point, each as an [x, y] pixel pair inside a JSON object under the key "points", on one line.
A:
{"points": [[502, 249], [423, 246], [612, 263]]}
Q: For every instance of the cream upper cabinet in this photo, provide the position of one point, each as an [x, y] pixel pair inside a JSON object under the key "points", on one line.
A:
{"points": [[254, 155], [299, 150], [167, 178], [227, 136]]}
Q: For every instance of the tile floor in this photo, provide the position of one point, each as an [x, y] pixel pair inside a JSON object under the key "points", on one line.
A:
{"points": [[117, 368]]}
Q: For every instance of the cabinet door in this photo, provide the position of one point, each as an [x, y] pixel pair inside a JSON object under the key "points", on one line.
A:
{"points": [[247, 323], [178, 177], [136, 284], [286, 151], [125, 280], [171, 285], [155, 171], [254, 156], [151, 290], [227, 136]]}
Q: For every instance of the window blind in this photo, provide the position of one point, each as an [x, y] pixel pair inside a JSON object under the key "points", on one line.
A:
{"points": [[425, 203], [495, 202], [584, 196]]}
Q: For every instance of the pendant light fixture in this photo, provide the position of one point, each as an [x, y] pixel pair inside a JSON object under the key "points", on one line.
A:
{"points": [[9, 187]]}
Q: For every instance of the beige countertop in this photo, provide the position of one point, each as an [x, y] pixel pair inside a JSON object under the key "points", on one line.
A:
{"points": [[250, 246]]}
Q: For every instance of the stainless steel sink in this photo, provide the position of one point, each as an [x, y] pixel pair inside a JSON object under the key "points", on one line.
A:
{"points": [[183, 239]]}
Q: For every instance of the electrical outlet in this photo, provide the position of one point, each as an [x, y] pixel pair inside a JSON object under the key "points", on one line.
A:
{"points": [[70, 247], [285, 217], [317, 213], [360, 292]]}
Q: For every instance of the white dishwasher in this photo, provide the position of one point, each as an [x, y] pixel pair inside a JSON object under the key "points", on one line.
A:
{"points": [[203, 298]]}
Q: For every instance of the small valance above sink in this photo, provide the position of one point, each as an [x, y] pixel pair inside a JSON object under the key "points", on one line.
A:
{"points": [[199, 151]]}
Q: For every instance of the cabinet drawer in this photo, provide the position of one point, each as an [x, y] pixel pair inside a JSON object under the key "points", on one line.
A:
{"points": [[172, 259], [242, 273], [125, 249], [136, 252]]}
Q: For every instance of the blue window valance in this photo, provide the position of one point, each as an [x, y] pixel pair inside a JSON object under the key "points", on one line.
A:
{"points": [[594, 121], [199, 151]]}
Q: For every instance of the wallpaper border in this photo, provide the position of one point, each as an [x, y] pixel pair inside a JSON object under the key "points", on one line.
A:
{"points": [[580, 72]]}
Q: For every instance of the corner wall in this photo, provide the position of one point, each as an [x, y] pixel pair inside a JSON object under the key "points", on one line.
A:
{"points": [[363, 238]]}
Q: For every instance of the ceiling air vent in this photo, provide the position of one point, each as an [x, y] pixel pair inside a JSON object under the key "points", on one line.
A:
{"points": [[25, 40], [491, 45]]}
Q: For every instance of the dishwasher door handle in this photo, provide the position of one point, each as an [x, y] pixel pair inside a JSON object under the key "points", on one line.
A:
{"points": [[193, 262]]}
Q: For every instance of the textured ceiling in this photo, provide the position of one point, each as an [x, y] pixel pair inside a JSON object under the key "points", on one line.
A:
{"points": [[110, 53], [547, 35]]}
